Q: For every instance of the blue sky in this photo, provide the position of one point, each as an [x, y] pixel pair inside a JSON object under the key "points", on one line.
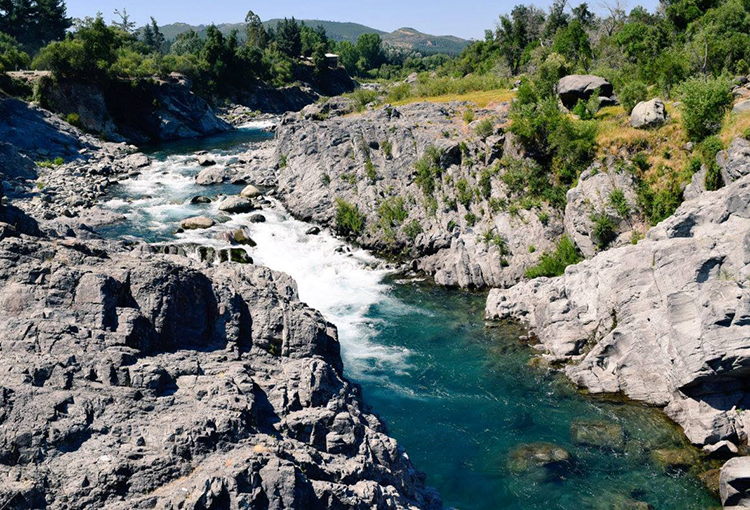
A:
{"points": [[463, 18]]}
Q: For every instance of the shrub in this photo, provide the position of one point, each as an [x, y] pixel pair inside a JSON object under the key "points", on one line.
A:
{"points": [[363, 97], [471, 219], [73, 119], [708, 150], [428, 168], [604, 230], [464, 192], [586, 110], [370, 170], [484, 129], [387, 148], [412, 229], [632, 93], [619, 202], [392, 212], [348, 218], [553, 264], [704, 103], [469, 116], [399, 92]]}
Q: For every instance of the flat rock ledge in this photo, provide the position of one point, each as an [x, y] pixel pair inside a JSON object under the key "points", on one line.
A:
{"points": [[666, 321], [141, 380]]}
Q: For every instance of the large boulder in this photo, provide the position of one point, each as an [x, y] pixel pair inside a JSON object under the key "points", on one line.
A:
{"points": [[735, 160], [14, 165], [197, 223], [742, 107], [734, 483], [648, 114], [577, 87], [211, 175], [236, 205]]}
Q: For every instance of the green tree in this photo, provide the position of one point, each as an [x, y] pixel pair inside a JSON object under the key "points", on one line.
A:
{"points": [[11, 56], [288, 38], [187, 43], [572, 42], [255, 31], [124, 22], [370, 52], [515, 33]]}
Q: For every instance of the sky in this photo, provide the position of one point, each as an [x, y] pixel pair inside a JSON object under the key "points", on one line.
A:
{"points": [[462, 18]]}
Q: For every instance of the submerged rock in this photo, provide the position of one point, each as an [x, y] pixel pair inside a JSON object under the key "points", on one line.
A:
{"points": [[257, 218], [537, 455], [200, 200], [600, 434], [674, 458]]}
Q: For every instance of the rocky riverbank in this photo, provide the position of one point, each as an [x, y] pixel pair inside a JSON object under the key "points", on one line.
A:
{"points": [[131, 378]]}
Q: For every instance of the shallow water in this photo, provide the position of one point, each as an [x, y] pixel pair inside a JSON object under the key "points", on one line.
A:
{"points": [[459, 396]]}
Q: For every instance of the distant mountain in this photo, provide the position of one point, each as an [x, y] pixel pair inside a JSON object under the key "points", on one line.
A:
{"points": [[408, 38]]}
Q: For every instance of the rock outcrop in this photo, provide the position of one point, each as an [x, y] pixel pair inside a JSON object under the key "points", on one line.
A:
{"points": [[132, 376], [601, 210], [734, 483], [142, 111], [131, 379], [456, 219], [580, 87], [648, 114], [666, 321]]}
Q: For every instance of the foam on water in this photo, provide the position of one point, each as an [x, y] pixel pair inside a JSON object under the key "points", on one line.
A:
{"points": [[338, 281]]}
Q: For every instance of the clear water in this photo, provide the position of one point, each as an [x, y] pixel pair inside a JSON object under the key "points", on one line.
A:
{"points": [[458, 395]]}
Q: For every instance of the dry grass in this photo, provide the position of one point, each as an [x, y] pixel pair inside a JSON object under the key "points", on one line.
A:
{"points": [[481, 99], [664, 146], [735, 125]]}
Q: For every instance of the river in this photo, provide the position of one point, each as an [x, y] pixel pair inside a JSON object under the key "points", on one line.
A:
{"points": [[461, 397]]}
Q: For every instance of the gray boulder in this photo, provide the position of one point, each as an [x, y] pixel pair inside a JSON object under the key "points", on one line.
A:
{"points": [[575, 87], [250, 191], [742, 106], [206, 160], [197, 222], [212, 175], [735, 160], [648, 114], [734, 483], [236, 205]]}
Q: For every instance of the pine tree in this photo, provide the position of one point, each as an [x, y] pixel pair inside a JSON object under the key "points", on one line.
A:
{"points": [[159, 40]]}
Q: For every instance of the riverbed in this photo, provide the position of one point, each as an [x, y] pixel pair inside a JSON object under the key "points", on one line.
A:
{"points": [[465, 399]]}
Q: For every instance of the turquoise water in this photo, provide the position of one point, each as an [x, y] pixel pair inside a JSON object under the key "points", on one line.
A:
{"points": [[460, 397]]}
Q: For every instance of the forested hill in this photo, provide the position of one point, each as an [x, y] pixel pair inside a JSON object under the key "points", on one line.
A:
{"points": [[408, 38]]}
